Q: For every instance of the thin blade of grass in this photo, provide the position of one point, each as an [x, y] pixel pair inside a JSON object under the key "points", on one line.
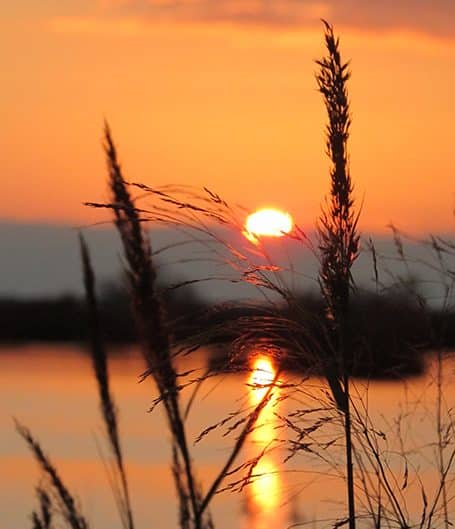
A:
{"points": [[101, 371], [70, 512]]}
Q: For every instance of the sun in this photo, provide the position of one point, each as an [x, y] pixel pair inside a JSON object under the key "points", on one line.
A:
{"points": [[268, 222]]}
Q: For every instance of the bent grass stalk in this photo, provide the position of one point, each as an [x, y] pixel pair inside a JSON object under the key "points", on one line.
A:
{"points": [[156, 347], [148, 315], [107, 404]]}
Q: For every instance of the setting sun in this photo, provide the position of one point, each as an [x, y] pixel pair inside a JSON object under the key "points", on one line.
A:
{"points": [[268, 222]]}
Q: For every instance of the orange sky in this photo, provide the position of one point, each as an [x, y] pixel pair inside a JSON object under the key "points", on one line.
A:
{"points": [[197, 95]]}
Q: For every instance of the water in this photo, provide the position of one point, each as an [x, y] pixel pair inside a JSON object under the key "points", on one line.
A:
{"points": [[50, 389]]}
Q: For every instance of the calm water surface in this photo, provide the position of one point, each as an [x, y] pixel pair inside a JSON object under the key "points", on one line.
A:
{"points": [[50, 389]]}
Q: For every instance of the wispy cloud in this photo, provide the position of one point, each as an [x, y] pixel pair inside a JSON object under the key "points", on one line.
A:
{"points": [[91, 25], [433, 17]]}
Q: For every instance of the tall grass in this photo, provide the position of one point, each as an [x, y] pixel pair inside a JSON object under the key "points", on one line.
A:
{"points": [[119, 481], [338, 238], [436, 505], [156, 345], [153, 336], [337, 249], [295, 335]]}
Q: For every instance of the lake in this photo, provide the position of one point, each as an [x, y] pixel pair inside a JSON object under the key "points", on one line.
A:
{"points": [[50, 389]]}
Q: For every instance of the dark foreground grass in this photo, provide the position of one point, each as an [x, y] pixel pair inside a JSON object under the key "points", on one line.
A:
{"points": [[376, 491]]}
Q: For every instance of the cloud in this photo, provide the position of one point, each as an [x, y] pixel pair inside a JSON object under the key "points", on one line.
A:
{"points": [[97, 26], [432, 17]]}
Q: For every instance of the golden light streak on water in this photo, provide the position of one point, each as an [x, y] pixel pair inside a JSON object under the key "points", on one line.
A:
{"points": [[265, 490], [261, 377], [266, 486]]}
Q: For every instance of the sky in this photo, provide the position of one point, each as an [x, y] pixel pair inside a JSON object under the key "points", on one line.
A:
{"points": [[221, 93]]}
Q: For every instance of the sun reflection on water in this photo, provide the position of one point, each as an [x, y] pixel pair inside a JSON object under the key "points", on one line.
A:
{"points": [[265, 490], [261, 377]]}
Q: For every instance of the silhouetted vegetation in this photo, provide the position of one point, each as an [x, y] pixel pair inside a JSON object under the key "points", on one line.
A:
{"points": [[338, 334], [391, 333]]}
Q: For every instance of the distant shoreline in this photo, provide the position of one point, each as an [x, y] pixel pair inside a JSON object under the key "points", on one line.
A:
{"points": [[391, 333]]}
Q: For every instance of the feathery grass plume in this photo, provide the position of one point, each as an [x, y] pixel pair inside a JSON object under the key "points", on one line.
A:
{"points": [[141, 275], [108, 408], [152, 332], [67, 505], [338, 238], [186, 209], [189, 214], [42, 519]]}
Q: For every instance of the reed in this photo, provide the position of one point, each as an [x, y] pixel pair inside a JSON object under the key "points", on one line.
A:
{"points": [[338, 238], [338, 243], [337, 249], [375, 456], [157, 344], [154, 337], [119, 479], [296, 334]]}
